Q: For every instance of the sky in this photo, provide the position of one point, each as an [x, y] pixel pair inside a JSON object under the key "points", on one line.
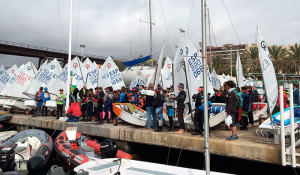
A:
{"points": [[113, 27]]}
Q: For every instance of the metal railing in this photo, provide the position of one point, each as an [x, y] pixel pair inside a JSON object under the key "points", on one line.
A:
{"points": [[28, 46]]}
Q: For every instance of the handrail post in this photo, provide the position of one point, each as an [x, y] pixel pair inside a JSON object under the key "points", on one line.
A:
{"points": [[292, 124], [282, 135]]}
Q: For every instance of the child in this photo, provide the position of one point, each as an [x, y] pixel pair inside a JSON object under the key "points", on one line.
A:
{"points": [[89, 106], [108, 103], [170, 103], [158, 107], [140, 101]]}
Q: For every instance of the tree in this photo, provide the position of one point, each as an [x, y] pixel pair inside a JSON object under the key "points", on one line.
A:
{"points": [[120, 65], [218, 62], [294, 58], [251, 56], [278, 54]]}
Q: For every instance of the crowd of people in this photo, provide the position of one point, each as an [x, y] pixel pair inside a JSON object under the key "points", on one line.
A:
{"points": [[96, 104]]}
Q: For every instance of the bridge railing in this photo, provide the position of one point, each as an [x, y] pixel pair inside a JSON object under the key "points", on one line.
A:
{"points": [[48, 49]]}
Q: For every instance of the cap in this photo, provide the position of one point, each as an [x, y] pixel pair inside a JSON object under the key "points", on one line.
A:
{"points": [[169, 86], [45, 88], [61, 90]]}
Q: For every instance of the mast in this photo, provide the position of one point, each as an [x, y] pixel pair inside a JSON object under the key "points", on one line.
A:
{"points": [[206, 136], [69, 58], [209, 40], [151, 42]]}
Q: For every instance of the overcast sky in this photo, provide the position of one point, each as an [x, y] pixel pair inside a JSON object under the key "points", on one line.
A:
{"points": [[107, 27]]}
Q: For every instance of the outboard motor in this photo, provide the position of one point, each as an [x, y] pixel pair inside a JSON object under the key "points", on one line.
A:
{"points": [[108, 148], [7, 159]]}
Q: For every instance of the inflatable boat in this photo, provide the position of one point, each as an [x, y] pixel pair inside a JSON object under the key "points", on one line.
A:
{"points": [[268, 126], [76, 149], [134, 167], [217, 115], [130, 114], [27, 151], [176, 123]]}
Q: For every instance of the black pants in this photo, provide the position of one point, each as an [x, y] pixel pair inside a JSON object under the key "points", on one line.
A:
{"points": [[89, 110], [171, 122], [83, 110], [180, 110], [198, 120], [38, 109], [59, 110], [71, 116], [250, 117], [244, 121], [44, 110]]}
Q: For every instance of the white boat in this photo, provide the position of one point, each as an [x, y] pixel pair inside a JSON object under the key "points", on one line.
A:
{"points": [[7, 134], [176, 123], [267, 126], [131, 72], [15, 104], [259, 109], [130, 114], [134, 167]]}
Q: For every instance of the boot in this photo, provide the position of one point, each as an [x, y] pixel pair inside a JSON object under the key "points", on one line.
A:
{"points": [[158, 129], [197, 132]]}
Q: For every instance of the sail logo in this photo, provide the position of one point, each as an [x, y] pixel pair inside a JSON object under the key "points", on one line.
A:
{"points": [[195, 65], [169, 66], [108, 65], [5, 78], [52, 67], [63, 76], [87, 66], [29, 68], [13, 71], [45, 76], [75, 65], [139, 73], [22, 78]]}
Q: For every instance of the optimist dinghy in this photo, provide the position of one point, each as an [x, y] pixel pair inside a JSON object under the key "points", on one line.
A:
{"points": [[130, 114], [133, 167], [27, 151], [267, 125]]}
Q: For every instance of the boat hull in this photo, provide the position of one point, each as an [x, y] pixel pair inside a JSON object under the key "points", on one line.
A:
{"points": [[139, 118]]}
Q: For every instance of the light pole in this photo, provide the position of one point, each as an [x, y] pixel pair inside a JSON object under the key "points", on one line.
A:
{"points": [[230, 59], [82, 46]]}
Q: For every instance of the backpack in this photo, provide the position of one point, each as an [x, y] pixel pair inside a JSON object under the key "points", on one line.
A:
{"points": [[239, 99]]}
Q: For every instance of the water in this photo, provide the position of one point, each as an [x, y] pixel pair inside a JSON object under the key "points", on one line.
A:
{"points": [[189, 159]]}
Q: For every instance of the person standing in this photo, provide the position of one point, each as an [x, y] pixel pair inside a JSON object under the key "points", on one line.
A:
{"points": [[231, 107], [89, 105], [45, 96], [170, 103], [38, 102], [158, 107], [253, 97], [60, 98], [295, 95], [108, 98], [123, 95], [244, 121], [180, 107], [198, 117], [149, 105], [82, 95], [100, 97]]}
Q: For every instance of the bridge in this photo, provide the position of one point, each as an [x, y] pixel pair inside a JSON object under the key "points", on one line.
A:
{"points": [[42, 53]]}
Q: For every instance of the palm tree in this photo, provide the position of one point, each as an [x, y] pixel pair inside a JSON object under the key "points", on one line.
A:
{"points": [[252, 59], [217, 62], [293, 59], [278, 54]]}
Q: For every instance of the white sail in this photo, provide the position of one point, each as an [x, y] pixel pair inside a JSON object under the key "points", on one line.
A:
{"points": [[61, 81], [194, 69], [215, 80], [5, 77], [20, 81], [109, 75], [239, 72], [158, 67], [78, 72], [46, 77], [139, 79], [92, 75], [2, 70], [167, 73], [87, 66], [268, 71]]}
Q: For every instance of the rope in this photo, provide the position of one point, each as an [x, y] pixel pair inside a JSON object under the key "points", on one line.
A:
{"points": [[167, 27], [190, 17], [60, 22], [77, 27], [231, 22], [212, 30], [10, 127]]}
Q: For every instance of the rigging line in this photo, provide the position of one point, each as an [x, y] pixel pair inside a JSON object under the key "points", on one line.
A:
{"points": [[231, 22], [190, 17], [212, 30], [77, 27], [60, 22], [167, 27]]}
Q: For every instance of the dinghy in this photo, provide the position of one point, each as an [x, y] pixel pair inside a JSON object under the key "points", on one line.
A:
{"points": [[176, 122], [76, 149], [134, 167], [6, 134], [268, 126], [217, 115], [130, 114], [259, 110], [27, 151]]}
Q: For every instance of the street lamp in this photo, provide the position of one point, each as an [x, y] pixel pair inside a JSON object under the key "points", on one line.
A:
{"points": [[82, 46]]}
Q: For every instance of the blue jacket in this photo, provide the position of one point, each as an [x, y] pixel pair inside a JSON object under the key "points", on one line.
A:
{"points": [[43, 98], [296, 96], [202, 106], [123, 98], [246, 101]]}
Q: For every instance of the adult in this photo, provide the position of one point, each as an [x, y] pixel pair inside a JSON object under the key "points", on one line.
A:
{"points": [[74, 111], [100, 97], [149, 105], [89, 105], [244, 121], [38, 102], [158, 108], [60, 98], [180, 107], [170, 103], [45, 96], [82, 95], [198, 117], [295, 94], [231, 107]]}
